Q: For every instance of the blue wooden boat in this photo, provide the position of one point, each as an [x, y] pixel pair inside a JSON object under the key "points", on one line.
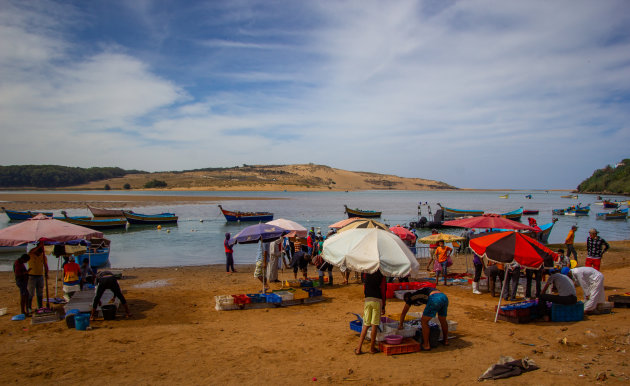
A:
{"points": [[94, 223], [361, 213], [543, 234], [454, 213], [148, 219], [529, 197], [577, 210], [17, 215], [620, 214], [246, 216], [97, 254], [514, 215]]}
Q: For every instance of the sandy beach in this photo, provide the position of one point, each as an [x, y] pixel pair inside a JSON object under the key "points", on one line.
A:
{"points": [[34, 201], [175, 336]]}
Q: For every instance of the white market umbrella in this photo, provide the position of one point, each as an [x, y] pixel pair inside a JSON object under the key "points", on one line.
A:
{"points": [[368, 250], [294, 228]]}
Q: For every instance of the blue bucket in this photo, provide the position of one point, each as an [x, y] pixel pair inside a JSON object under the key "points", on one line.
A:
{"points": [[81, 321]]}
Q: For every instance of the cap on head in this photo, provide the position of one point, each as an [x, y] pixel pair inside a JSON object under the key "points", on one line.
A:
{"points": [[593, 230]]}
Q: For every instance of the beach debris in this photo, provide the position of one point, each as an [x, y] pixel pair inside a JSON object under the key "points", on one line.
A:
{"points": [[153, 284], [563, 340], [314, 379], [601, 376], [508, 367]]}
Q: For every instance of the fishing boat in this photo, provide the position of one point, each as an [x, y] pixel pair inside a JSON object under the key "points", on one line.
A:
{"points": [[610, 205], [454, 213], [102, 212], [529, 196], [361, 213], [94, 223], [545, 230], [619, 214], [504, 196], [17, 215], [149, 219], [514, 215], [574, 196], [577, 210], [97, 253], [530, 211], [246, 216]]}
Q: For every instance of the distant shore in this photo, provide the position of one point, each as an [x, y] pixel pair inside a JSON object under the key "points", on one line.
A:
{"points": [[34, 201]]}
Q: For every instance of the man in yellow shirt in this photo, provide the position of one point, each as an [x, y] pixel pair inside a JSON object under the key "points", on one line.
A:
{"points": [[569, 243], [37, 270]]}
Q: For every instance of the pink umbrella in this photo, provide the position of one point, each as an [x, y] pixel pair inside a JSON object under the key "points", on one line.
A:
{"points": [[403, 233], [487, 221], [294, 228], [42, 227]]}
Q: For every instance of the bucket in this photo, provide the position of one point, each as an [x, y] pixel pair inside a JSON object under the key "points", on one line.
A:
{"points": [[81, 321], [109, 311]]}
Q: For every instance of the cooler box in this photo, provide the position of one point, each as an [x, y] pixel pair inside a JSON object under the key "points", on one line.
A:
{"points": [[572, 313]]}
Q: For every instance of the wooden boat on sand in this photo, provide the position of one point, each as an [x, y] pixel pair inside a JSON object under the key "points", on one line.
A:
{"points": [[102, 212], [361, 213], [246, 216]]}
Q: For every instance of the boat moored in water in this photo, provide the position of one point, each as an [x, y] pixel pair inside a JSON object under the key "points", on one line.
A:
{"points": [[361, 213], [18, 215], [514, 215], [231, 215], [102, 212], [530, 211], [619, 214], [450, 213], [150, 219]]}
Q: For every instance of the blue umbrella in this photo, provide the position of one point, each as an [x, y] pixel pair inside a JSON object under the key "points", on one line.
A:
{"points": [[255, 233]]}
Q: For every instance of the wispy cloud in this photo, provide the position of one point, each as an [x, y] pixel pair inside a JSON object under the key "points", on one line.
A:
{"points": [[480, 93]]}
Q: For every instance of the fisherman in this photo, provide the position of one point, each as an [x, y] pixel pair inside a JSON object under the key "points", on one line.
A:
{"points": [[568, 242], [105, 280], [592, 283], [595, 249]]}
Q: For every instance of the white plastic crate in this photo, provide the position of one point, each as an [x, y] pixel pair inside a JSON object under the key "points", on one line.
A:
{"points": [[285, 295], [226, 307], [224, 300]]}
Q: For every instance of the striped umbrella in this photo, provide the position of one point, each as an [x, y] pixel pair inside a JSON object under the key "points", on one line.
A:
{"points": [[364, 223], [506, 247]]}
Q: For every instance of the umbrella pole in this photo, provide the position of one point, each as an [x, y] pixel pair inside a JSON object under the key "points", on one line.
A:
{"points": [[496, 316], [57, 276]]}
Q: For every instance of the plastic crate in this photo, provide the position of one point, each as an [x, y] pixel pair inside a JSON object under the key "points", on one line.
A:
{"points": [[563, 313], [514, 315], [273, 298], [408, 317], [226, 307], [356, 325], [408, 345], [312, 292], [241, 299], [306, 283], [257, 298], [284, 295], [224, 300], [291, 283], [407, 332]]}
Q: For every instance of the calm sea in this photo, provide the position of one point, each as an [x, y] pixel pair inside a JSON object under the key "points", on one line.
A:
{"points": [[198, 237]]}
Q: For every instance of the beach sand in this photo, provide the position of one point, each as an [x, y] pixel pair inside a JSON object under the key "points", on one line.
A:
{"points": [[177, 337], [34, 201]]}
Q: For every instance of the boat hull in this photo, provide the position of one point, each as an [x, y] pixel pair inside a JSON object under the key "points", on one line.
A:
{"points": [[514, 215], [236, 216], [98, 258], [453, 213], [17, 215], [147, 219], [362, 213], [115, 223], [101, 212], [530, 212]]}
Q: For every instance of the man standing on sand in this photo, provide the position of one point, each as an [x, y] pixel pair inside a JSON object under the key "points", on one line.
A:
{"points": [[595, 249], [37, 271], [568, 242]]}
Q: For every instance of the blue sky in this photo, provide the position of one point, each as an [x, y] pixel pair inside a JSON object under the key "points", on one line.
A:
{"points": [[479, 94]]}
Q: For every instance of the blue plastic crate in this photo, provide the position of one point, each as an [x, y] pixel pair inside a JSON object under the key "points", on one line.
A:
{"points": [[306, 283], [356, 325], [312, 292], [572, 313], [257, 298], [273, 298]]}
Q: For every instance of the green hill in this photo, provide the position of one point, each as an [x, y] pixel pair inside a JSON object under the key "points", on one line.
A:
{"points": [[608, 180], [54, 176]]}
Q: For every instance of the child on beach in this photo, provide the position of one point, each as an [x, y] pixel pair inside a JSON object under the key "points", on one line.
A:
{"points": [[441, 256], [374, 291], [21, 280]]}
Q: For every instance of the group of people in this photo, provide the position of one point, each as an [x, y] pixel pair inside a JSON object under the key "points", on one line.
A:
{"points": [[31, 281], [588, 276]]}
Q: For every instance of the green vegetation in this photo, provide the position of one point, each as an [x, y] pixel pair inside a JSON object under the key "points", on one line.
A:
{"points": [[55, 176], [107, 187], [155, 184], [126, 186], [608, 180]]}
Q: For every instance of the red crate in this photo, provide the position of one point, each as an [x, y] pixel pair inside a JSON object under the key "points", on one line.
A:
{"points": [[408, 345], [241, 299], [522, 315]]}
